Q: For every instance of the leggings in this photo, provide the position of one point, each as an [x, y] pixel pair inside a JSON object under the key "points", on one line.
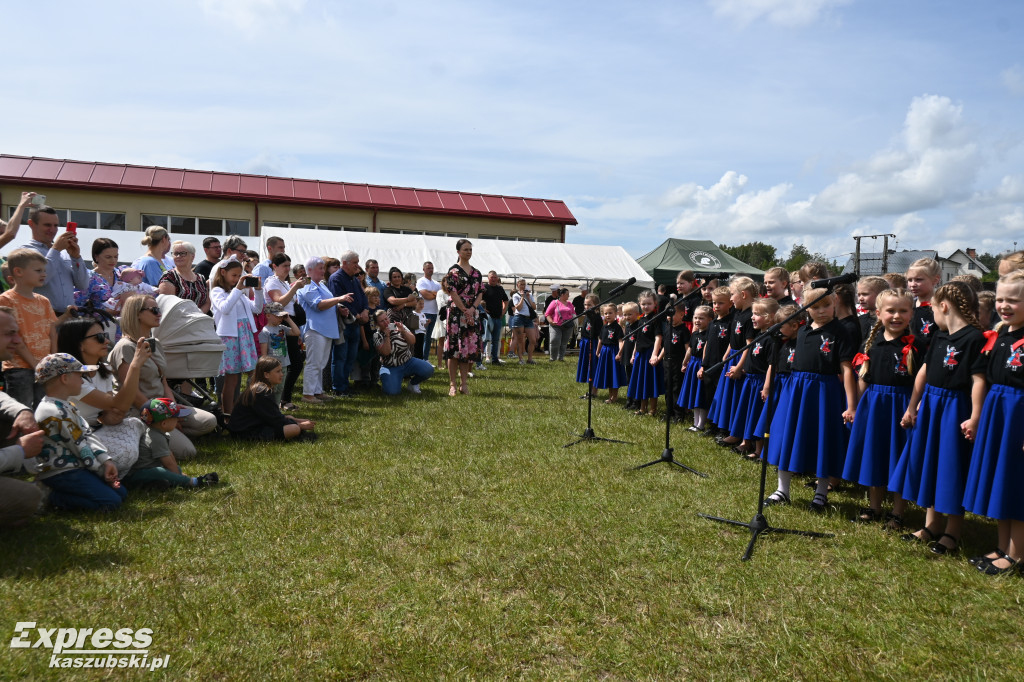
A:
{"points": [[296, 359]]}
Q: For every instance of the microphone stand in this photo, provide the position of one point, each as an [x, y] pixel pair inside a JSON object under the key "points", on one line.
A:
{"points": [[758, 525], [667, 454], [588, 433]]}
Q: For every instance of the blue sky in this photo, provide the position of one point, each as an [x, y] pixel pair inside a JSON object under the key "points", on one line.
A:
{"points": [[778, 120]]}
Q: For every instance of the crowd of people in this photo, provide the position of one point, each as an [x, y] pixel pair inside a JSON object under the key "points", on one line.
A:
{"points": [[908, 388], [897, 384], [87, 383]]}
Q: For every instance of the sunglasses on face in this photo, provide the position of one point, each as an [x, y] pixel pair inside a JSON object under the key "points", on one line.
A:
{"points": [[100, 337], [155, 310], [180, 253]]}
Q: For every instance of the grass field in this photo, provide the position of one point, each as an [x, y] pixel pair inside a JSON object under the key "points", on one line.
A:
{"points": [[427, 537]]}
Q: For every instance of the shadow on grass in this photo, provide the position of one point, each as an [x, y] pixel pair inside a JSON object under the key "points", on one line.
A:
{"points": [[54, 547]]}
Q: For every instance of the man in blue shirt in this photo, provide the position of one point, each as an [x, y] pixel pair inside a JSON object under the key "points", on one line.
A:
{"points": [[65, 269], [275, 245], [372, 273], [342, 282]]}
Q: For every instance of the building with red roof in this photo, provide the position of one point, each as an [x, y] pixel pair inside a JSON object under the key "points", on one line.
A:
{"points": [[127, 197]]}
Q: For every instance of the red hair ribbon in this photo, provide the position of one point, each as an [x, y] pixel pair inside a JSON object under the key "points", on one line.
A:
{"points": [[859, 359], [990, 340], [908, 352]]}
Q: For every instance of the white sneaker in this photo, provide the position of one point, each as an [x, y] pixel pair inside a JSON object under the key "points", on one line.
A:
{"points": [[481, 366], [415, 388]]}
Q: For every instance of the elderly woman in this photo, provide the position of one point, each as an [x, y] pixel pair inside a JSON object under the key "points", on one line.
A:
{"points": [[462, 341], [155, 263], [559, 313], [280, 291], [182, 281], [321, 328], [394, 343], [99, 404], [140, 315]]}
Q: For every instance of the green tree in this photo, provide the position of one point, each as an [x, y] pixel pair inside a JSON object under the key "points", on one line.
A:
{"points": [[800, 254], [758, 254]]}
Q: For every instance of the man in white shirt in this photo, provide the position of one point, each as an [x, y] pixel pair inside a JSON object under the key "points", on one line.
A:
{"points": [[428, 289]]}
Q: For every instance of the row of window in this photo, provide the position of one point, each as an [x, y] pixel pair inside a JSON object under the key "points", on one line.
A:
{"points": [[218, 226], [308, 226]]}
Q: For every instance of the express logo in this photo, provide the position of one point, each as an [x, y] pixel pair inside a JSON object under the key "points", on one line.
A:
{"points": [[645, 329], [757, 348], [703, 259], [791, 356], [675, 338], [1013, 362], [826, 346], [700, 344], [723, 332], [950, 361], [739, 328], [926, 327]]}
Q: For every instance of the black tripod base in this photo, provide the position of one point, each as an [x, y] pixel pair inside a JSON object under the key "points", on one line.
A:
{"points": [[588, 435], [758, 526], [667, 458]]}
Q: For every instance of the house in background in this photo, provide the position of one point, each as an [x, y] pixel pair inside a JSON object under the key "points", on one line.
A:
{"points": [[960, 262]]}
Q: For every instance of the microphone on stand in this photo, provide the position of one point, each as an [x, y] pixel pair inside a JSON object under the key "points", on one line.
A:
{"points": [[848, 278], [622, 287]]}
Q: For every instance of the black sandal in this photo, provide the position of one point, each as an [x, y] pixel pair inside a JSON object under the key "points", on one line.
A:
{"points": [[910, 538], [942, 550]]}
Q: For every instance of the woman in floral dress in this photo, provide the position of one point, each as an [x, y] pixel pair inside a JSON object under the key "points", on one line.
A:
{"points": [[462, 341]]}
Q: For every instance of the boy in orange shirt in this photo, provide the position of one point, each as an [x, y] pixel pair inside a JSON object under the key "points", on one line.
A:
{"points": [[36, 321]]}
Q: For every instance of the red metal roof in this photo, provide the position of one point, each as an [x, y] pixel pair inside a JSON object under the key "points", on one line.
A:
{"points": [[180, 181]]}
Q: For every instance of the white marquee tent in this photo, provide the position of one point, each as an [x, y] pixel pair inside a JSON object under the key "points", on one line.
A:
{"points": [[532, 260]]}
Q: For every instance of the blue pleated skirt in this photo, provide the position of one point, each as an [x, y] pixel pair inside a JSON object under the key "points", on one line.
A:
{"points": [[808, 435], [691, 393], [726, 393], [877, 439], [646, 380], [932, 469], [609, 372], [774, 391], [743, 420], [995, 481], [586, 363]]}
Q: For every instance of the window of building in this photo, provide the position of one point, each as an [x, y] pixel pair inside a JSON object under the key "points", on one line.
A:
{"points": [[193, 225], [112, 221], [308, 226], [970, 265]]}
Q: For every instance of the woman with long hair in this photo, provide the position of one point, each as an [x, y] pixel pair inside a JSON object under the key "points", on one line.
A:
{"points": [[462, 343]]}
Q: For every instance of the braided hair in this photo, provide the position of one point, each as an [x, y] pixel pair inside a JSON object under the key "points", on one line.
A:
{"points": [[963, 298], [878, 326]]}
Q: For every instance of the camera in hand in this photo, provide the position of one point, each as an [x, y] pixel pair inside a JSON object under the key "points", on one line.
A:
{"points": [[250, 281], [151, 340]]}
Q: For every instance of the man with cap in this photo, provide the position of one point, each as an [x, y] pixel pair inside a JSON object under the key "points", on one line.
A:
{"points": [[156, 466], [73, 464], [21, 440]]}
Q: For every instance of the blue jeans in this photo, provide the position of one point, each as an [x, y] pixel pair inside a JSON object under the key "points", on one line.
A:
{"points": [[497, 327], [82, 489], [345, 358], [391, 377], [431, 321]]}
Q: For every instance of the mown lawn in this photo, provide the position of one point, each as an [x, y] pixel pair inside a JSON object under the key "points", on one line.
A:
{"points": [[427, 537]]}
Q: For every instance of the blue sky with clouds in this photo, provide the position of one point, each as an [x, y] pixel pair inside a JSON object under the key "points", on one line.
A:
{"points": [[778, 120]]}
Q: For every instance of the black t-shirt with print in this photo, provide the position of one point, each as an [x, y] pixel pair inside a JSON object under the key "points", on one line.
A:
{"points": [[1006, 361], [822, 350], [953, 358], [887, 365]]}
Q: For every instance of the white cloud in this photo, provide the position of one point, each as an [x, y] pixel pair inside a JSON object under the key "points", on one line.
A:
{"points": [[251, 16], [933, 164], [1013, 80], [789, 13]]}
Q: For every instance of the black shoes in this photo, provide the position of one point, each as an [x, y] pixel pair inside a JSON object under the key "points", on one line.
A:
{"points": [[941, 549], [207, 480]]}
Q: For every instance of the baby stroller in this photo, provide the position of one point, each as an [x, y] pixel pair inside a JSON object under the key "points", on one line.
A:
{"points": [[192, 350]]}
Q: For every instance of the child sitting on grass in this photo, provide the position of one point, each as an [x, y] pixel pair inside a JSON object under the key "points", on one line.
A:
{"points": [[156, 466], [258, 417], [74, 465]]}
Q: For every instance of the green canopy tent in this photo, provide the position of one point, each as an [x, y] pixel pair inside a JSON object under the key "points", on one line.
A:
{"points": [[701, 256]]}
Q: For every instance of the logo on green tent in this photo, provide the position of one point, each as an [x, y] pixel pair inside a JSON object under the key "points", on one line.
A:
{"points": [[703, 259]]}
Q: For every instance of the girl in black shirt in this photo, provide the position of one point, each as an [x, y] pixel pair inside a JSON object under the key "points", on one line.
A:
{"points": [[609, 372], [693, 393], [257, 416], [646, 382], [944, 412]]}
